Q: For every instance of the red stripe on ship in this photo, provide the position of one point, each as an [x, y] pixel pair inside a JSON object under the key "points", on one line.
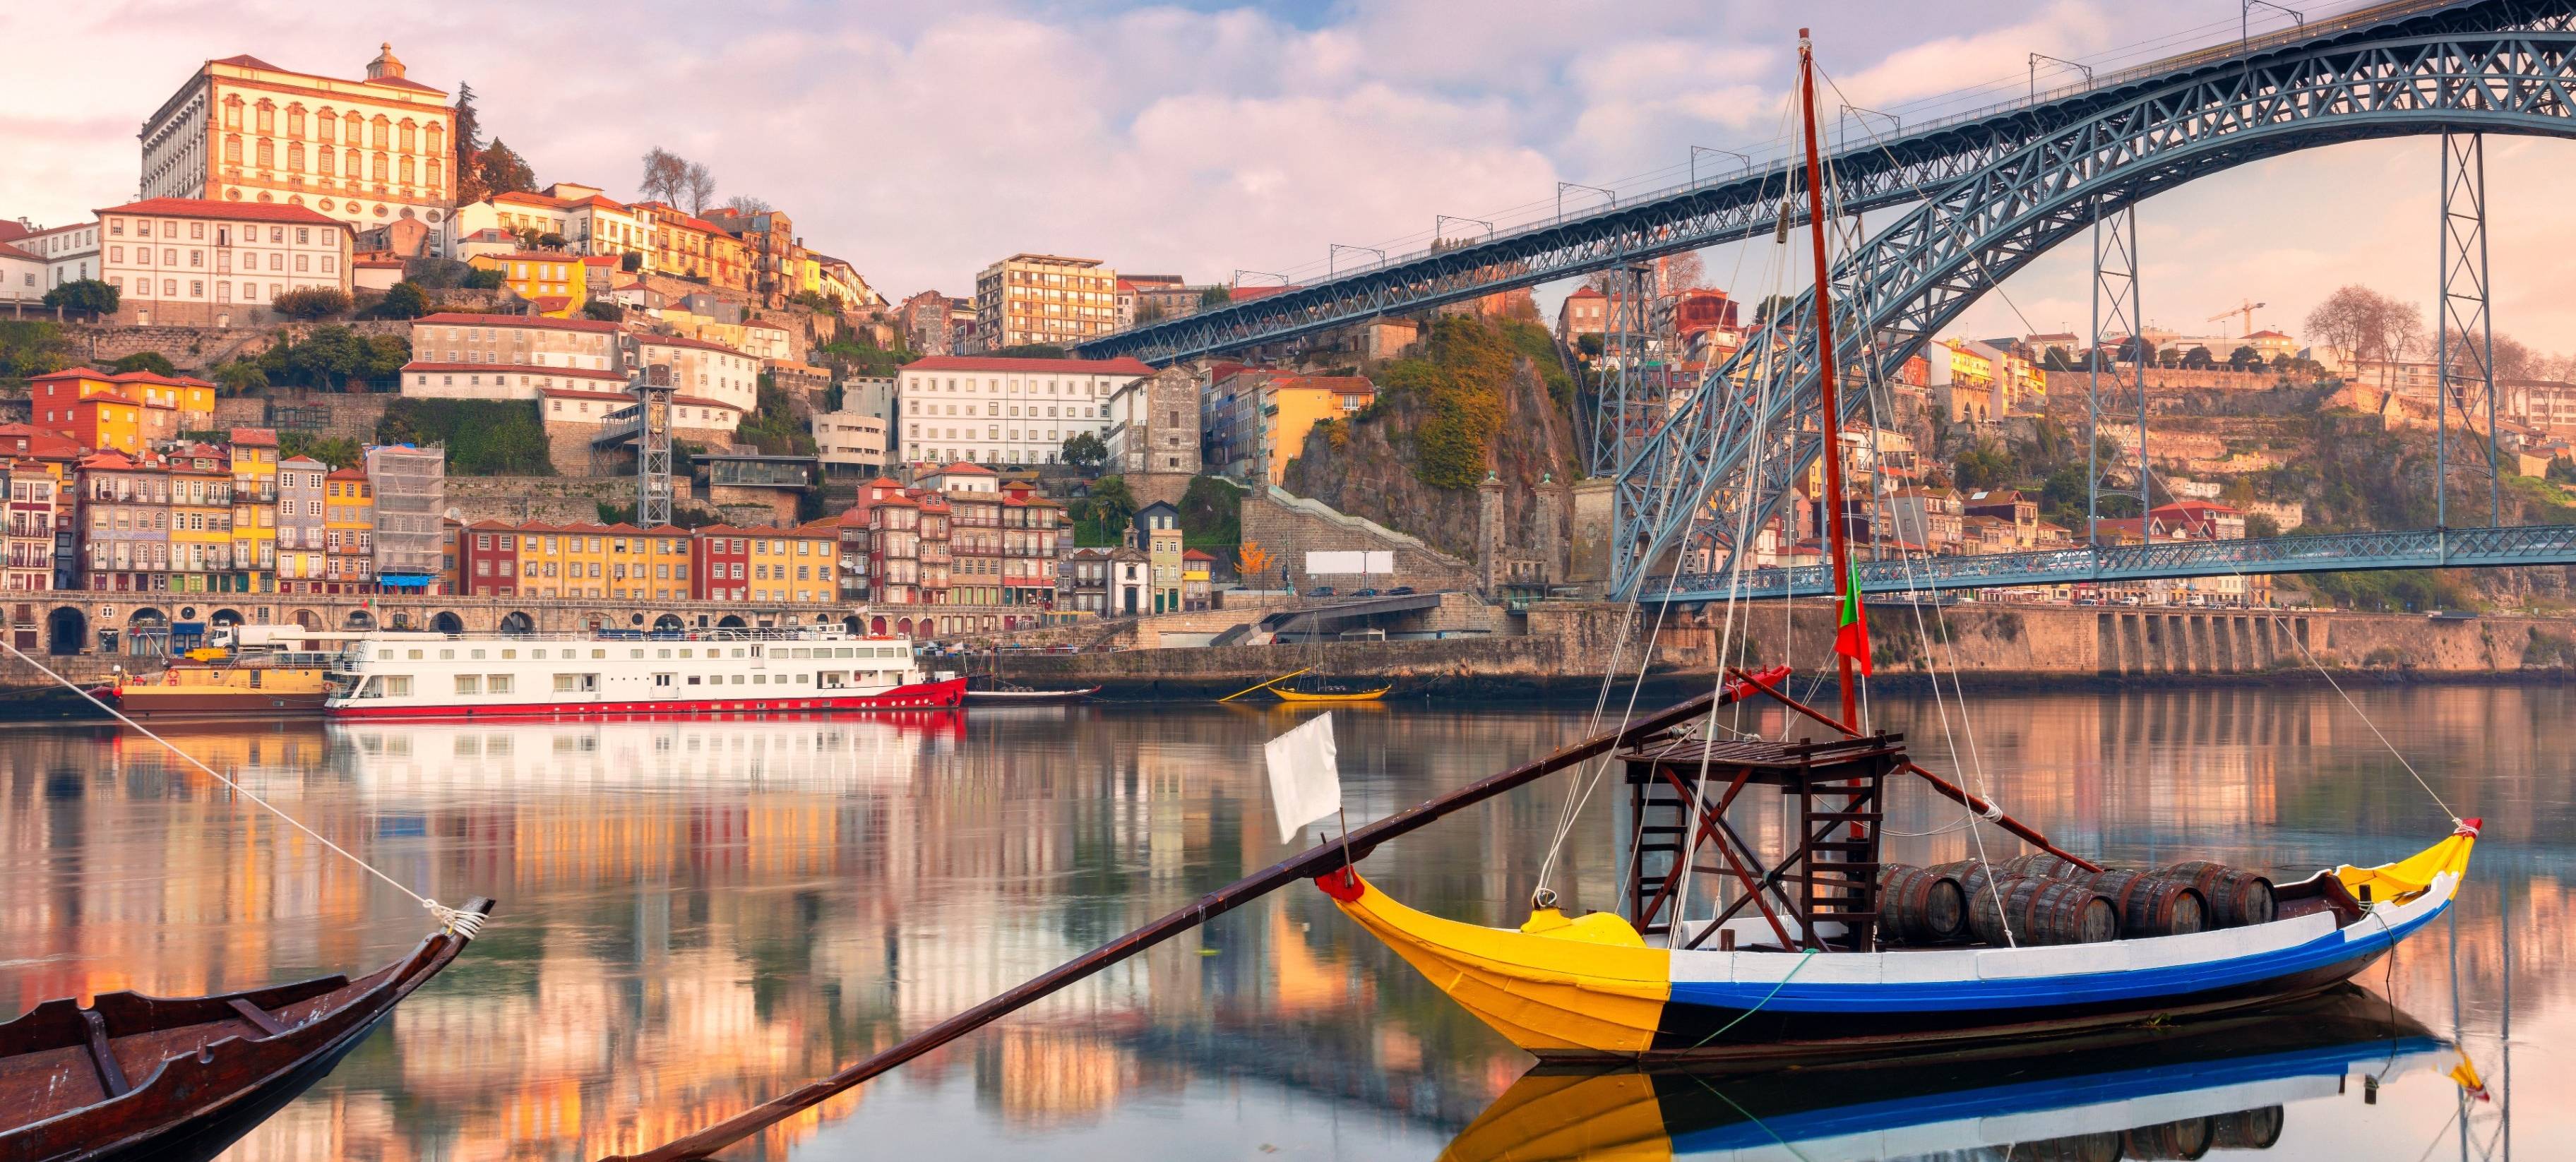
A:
{"points": [[927, 696]]}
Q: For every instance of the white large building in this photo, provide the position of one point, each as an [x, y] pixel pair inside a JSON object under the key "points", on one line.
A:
{"points": [[705, 370], [68, 252], [22, 275], [850, 443], [992, 410], [203, 263], [577, 369], [364, 152]]}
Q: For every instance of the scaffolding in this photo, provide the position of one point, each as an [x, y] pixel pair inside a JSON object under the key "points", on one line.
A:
{"points": [[410, 486]]}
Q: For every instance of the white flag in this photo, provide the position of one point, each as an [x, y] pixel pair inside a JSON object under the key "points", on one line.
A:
{"points": [[1305, 782]]}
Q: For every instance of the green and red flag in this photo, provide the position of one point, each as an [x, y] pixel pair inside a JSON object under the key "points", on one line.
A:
{"points": [[1852, 639]]}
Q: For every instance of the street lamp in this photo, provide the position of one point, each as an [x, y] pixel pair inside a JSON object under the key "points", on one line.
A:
{"points": [[1697, 150], [1333, 249], [1561, 187], [2037, 57], [2245, 19], [1439, 220], [1862, 115]]}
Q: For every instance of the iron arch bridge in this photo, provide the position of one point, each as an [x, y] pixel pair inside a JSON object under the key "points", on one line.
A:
{"points": [[1881, 171], [1723, 460]]}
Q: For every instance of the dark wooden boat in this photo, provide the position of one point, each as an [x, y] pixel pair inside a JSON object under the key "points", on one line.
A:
{"points": [[136, 1077], [1018, 697]]}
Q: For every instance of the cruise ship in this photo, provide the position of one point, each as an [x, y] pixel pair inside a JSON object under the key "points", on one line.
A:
{"points": [[430, 676]]}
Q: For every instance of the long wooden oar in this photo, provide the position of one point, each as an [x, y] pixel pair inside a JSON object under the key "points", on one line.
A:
{"points": [[1264, 686], [1305, 865]]}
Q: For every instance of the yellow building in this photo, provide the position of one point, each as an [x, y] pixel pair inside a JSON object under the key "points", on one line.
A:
{"points": [[254, 531], [1292, 404], [201, 518], [561, 561], [793, 564], [648, 564], [554, 281], [349, 531]]}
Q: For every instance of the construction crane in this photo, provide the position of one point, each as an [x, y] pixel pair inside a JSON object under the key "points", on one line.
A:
{"points": [[2246, 310]]}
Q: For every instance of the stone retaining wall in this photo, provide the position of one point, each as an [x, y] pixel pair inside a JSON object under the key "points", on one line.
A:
{"points": [[1289, 527]]}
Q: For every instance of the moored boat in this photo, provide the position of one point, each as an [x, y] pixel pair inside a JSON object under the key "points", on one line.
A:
{"points": [[193, 689], [133, 1076], [1020, 697], [1327, 695], [430, 676]]}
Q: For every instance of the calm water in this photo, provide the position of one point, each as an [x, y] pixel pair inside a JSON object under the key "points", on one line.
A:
{"points": [[696, 916]]}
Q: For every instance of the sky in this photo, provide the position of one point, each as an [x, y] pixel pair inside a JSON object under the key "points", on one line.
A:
{"points": [[923, 141]]}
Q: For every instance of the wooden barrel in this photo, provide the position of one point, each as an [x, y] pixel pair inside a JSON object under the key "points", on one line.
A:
{"points": [[2185, 1140], [1919, 906], [2100, 1147], [2150, 905], [2043, 912], [2246, 1129], [2041, 866], [2235, 898], [1971, 874]]}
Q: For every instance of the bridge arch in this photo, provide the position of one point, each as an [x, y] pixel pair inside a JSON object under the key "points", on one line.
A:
{"points": [[360, 620], [669, 623], [1925, 268], [446, 621], [518, 623], [306, 619]]}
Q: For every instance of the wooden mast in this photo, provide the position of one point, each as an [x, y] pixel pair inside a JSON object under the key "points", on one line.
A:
{"points": [[1839, 558]]}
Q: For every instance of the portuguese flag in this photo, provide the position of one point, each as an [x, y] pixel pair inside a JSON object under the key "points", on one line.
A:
{"points": [[1852, 639]]}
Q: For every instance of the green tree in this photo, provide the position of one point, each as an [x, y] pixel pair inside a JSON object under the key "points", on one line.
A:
{"points": [[773, 426], [336, 451], [240, 376], [2056, 360], [483, 278], [309, 303], [86, 295], [550, 241], [631, 261], [403, 301], [2245, 358], [504, 171], [469, 147], [2261, 525], [152, 361], [1149, 311], [32, 347], [483, 437], [1085, 450], [603, 310], [1771, 306], [1111, 505], [1212, 513], [817, 302], [1034, 351], [1215, 296]]}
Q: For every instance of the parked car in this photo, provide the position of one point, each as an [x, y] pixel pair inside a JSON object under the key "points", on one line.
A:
{"points": [[1400, 591], [1320, 591], [1364, 593]]}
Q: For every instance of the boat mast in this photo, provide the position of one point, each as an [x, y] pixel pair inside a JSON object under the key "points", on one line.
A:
{"points": [[1838, 552]]}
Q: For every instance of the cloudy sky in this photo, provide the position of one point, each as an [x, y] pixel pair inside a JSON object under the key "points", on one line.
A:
{"points": [[922, 141]]}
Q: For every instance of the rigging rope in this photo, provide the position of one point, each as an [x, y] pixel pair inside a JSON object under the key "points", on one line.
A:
{"points": [[461, 923]]}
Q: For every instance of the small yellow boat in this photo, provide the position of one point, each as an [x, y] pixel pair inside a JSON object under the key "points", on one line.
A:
{"points": [[1287, 695]]}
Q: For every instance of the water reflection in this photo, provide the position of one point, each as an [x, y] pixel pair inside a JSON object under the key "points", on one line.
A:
{"points": [[696, 916]]}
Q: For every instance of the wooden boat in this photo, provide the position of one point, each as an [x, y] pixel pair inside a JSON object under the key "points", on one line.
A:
{"points": [[1592, 989], [1020, 697], [134, 1077], [195, 689], [2165, 1092], [1328, 696]]}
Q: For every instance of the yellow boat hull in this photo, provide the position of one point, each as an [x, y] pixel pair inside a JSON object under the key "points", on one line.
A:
{"points": [[1353, 696]]}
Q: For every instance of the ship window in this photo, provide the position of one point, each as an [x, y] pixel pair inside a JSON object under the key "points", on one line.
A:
{"points": [[634, 653], [737, 679], [507, 655], [497, 683], [760, 679], [688, 653], [567, 683], [843, 652], [384, 655], [830, 680], [414, 654], [598, 653], [397, 685], [477, 655], [737, 651], [661, 653], [693, 679], [800, 679], [469, 683], [539, 655]]}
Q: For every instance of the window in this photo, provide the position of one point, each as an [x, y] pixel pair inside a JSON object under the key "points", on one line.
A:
{"points": [[497, 683], [469, 684]]}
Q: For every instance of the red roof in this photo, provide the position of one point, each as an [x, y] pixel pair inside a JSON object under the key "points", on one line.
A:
{"points": [[307, 461], [216, 208], [599, 259], [1581, 292], [1122, 365], [11, 231], [8, 251], [255, 437], [551, 303], [700, 401], [1197, 555], [247, 61], [470, 319], [380, 263], [685, 341], [577, 393], [350, 473], [962, 468]]}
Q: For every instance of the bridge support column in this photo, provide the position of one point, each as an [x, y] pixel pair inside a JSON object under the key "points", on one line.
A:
{"points": [[2463, 331], [1631, 404], [2115, 312]]}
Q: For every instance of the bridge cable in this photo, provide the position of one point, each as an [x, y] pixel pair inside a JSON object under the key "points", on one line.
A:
{"points": [[461, 923]]}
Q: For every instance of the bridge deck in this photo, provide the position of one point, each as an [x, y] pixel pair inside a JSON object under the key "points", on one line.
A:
{"points": [[2323, 553]]}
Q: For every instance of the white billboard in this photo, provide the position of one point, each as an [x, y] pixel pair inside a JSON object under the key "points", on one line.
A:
{"points": [[1322, 563]]}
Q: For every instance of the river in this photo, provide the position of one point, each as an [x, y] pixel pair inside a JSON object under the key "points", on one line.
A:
{"points": [[695, 916]]}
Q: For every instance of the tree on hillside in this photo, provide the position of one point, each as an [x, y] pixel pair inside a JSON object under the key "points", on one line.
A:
{"points": [[2245, 358], [1084, 450], [404, 301], [1032, 351], [152, 361], [746, 204], [467, 165], [2198, 357], [240, 376], [604, 310], [312, 302], [32, 347], [1772, 305], [698, 186], [505, 172], [85, 294], [1112, 505], [1215, 296]]}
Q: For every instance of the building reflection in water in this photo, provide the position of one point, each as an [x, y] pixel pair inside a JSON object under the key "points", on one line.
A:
{"points": [[696, 916]]}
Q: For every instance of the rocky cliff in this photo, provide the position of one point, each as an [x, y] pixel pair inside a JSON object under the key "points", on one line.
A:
{"points": [[1472, 403]]}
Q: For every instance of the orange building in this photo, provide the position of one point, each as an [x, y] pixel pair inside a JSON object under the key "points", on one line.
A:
{"points": [[120, 410]]}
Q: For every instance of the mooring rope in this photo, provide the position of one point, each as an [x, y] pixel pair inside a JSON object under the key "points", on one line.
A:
{"points": [[462, 923]]}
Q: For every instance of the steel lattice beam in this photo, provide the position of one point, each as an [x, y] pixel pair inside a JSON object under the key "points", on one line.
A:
{"points": [[1884, 171], [1732, 440]]}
